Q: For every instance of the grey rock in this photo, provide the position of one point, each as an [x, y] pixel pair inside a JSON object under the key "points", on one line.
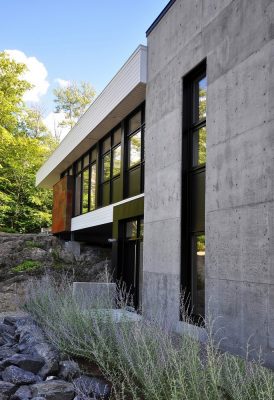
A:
{"points": [[38, 398], [6, 352], [27, 362], [50, 368], [69, 370], [4, 328], [7, 388], [22, 393], [18, 376], [87, 386], [10, 320], [54, 390]]}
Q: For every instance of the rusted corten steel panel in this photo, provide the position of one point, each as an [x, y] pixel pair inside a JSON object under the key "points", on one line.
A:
{"points": [[62, 205]]}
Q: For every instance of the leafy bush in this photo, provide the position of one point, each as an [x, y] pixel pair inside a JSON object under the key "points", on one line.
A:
{"points": [[140, 358], [32, 244], [27, 266]]}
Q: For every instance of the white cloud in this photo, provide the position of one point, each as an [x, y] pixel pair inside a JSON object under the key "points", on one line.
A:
{"points": [[52, 120], [62, 82], [36, 75]]}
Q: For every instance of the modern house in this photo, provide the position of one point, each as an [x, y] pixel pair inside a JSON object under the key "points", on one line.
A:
{"points": [[174, 163]]}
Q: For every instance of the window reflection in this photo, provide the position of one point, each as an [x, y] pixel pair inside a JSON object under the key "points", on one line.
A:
{"points": [[198, 274], [199, 147], [116, 161], [85, 191], [202, 98], [93, 187], [106, 167], [135, 149], [77, 194], [135, 122], [131, 229]]}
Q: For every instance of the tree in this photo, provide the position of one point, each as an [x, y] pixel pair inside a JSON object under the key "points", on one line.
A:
{"points": [[24, 145], [23, 207], [73, 100], [12, 89]]}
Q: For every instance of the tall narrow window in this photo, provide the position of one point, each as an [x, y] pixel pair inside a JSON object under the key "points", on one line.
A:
{"points": [[111, 164], [193, 195], [85, 183], [135, 154]]}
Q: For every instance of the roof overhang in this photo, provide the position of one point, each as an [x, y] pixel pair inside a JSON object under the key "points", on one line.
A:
{"points": [[121, 96]]}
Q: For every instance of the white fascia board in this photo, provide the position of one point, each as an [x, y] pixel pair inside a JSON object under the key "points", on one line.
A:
{"points": [[123, 93], [97, 217]]}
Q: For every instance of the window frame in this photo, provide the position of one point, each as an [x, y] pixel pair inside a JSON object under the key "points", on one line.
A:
{"points": [[188, 171]]}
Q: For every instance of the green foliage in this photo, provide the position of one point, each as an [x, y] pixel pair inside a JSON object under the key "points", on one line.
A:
{"points": [[27, 266], [24, 145], [73, 100], [31, 244], [12, 89], [141, 359]]}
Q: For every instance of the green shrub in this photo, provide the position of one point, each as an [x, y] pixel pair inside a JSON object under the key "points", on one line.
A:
{"points": [[27, 266], [142, 360], [8, 230], [32, 244]]}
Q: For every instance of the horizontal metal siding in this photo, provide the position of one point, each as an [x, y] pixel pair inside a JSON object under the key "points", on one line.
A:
{"points": [[129, 76], [101, 216]]}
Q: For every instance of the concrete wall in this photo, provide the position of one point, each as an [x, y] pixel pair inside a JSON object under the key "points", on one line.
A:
{"points": [[236, 37]]}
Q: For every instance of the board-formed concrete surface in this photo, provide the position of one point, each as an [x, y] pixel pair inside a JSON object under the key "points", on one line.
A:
{"points": [[237, 39]]}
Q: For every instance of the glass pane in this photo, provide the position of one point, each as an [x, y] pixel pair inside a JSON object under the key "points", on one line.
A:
{"points": [[86, 161], [106, 145], [106, 167], [105, 194], [141, 229], [116, 189], [134, 122], [135, 149], [70, 171], [93, 155], [134, 181], [131, 229], [117, 136], [93, 187], [198, 274], [77, 194], [85, 191], [199, 147], [202, 98], [79, 166], [116, 161], [200, 93]]}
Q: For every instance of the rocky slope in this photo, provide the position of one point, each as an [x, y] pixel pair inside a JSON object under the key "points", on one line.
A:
{"points": [[31, 368], [26, 256]]}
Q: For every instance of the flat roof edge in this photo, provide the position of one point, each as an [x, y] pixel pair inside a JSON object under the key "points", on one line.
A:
{"points": [[160, 16]]}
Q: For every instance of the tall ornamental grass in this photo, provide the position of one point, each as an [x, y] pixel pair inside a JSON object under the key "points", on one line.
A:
{"points": [[141, 359]]}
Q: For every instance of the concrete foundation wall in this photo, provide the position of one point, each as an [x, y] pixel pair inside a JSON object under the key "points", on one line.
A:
{"points": [[237, 39]]}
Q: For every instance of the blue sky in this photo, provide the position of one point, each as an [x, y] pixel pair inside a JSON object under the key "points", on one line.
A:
{"points": [[76, 40]]}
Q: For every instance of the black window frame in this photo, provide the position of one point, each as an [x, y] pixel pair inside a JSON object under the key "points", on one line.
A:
{"points": [[112, 178], [123, 175], [188, 171], [141, 165]]}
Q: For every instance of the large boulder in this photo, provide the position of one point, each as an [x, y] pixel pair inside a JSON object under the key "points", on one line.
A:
{"points": [[28, 362], [19, 376], [23, 393], [7, 388], [54, 390], [69, 370]]}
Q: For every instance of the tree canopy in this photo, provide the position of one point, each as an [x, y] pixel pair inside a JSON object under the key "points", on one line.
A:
{"points": [[24, 145], [73, 100]]}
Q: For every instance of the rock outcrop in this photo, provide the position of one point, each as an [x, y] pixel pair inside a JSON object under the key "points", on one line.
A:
{"points": [[24, 256], [23, 374]]}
